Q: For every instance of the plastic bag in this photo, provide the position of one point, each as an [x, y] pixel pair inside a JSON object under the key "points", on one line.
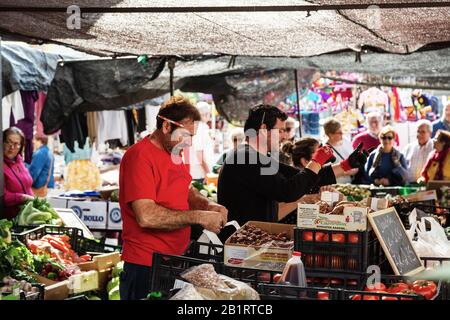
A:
{"points": [[204, 276], [188, 292]]}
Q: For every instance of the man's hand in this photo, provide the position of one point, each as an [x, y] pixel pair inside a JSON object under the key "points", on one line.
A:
{"points": [[26, 197], [384, 181], [212, 220], [212, 206], [356, 159]]}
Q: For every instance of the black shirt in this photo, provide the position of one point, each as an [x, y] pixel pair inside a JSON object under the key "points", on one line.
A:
{"points": [[248, 194]]}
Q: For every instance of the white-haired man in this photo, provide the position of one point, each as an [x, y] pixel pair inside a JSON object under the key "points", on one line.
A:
{"points": [[369, 138], [416, 153]]}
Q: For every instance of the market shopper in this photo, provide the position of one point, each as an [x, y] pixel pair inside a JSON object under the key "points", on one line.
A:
{"points": [[342, 148], [438, 164], [41, 167], [252, 183], [444, 122], [157, 201], [201, 151], [18, 181], [386, 166], [289, 131], [237, 138], [370, 138], [416, 153]]}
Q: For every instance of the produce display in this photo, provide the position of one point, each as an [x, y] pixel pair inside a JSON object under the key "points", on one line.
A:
{"points": [[9, 284], [425, 288], [209, 191], [354, 192], [251, 235], [114, 196], [113, 285], [37, 212]]}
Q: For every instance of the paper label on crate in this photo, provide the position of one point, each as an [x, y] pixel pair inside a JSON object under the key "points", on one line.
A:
{"points": [[377, 204], [329, 197], [307, 214], [179, 284]]}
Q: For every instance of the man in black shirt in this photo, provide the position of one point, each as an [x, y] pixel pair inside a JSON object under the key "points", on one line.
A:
{"points": [[252, 182]]}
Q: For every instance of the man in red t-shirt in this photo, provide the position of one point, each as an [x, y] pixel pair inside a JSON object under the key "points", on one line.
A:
{"points": [[157, 201]]}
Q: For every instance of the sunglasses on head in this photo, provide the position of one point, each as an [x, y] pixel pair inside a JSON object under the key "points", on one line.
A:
{"points": [[171, 121], [387, 138]]}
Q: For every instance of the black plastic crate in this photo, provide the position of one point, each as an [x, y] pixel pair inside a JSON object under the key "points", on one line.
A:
{"points": [[387, 280], [343, 251], [96, 247], [336, 280], [205, 251], [252, 277], [75, 235], [34, 296], [167, 268], [285, 292]]}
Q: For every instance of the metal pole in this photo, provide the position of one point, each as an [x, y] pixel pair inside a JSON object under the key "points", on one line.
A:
{"points": [[171, 64], [2, 176], [297, 95]]}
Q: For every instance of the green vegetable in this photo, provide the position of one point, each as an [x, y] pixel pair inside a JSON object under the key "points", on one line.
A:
{"points": [[5, 234], [15, 257], [24, 213], [38, 216], [52, 276], [199, 186], [117, 270], [93, 297], [112, 284], [114, 294]]}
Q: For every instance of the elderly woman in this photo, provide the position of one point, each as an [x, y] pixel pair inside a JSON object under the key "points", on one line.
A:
{"points": [[342, 148], [386, 166], [438, 164], [18, 181]]}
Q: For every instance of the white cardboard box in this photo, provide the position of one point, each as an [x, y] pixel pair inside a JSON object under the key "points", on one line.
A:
{"points": [[114, 216], [92, 213], [58, 202]]}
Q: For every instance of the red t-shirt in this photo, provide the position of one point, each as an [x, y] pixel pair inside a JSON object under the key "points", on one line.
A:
{"points": [[147, 172]]}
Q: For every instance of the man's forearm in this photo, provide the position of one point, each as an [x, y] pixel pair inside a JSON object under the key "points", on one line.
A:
{"points": [[154, 216], [196, 200]]}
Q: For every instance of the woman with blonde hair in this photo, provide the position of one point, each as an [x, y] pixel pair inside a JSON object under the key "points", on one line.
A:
{"points": [[386, 166]]}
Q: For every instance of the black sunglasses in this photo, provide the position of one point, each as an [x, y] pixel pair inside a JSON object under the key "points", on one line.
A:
{"points": [[387, 138]]}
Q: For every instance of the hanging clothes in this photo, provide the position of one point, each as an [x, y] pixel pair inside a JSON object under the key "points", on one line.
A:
{"points": [[92, 125], [12, 108], [75, 129], [373, 99], [27, 123], [39, 106], [131, 126], [112, 125]]}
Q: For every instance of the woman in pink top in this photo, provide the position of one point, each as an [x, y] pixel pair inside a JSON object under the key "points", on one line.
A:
{"points": [[18, 181]]}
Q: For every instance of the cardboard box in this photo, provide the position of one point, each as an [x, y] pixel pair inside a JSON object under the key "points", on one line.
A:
{"points": [[58, 202], [353, 219], [114, 216], [103, 264], [92, 213], [83, 282], [265, 258], [57, 291]]}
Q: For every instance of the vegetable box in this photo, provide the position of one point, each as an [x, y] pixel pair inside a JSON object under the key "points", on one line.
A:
{"points": [[260, 257]]}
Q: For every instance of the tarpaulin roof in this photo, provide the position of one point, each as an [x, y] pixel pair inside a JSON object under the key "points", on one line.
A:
{"points": [[269, 33]]}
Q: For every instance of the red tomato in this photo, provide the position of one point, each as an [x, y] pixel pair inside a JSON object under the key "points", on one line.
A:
{"points": [[319, 260], [389, 298], [319, 236], [369, 297], [352, 282], [322, 295], [338, 237], [352, 264], [86, 257], [424, 288], [307, 236], [277, 278], [376, 287], [337, 262], [356, 297], [264, 277], [353, 238], [336, 281], [325, 238], [397, 287]]}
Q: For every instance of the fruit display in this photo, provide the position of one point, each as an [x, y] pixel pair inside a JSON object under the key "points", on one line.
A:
{"points": [[425, 288], [353, 192], [251, 235], [9, 284], [37, 212]]}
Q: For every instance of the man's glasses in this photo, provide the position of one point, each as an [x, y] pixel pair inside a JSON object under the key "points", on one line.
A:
{"points": [[387, 138], [14, 145], [171, 121]]}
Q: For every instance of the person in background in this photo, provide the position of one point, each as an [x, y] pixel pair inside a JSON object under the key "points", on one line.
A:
{"points": [[416, 153], [438, 164], [369, 138], [386, 166], [18, 181], [301, 153], [41, 167], [237, 138], [444, 122], [342, 148], [289, 131], [157, 201], [200, 154]]}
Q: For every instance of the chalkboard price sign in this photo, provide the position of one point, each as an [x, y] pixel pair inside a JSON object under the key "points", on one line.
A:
{"points": [[395, 242]]}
